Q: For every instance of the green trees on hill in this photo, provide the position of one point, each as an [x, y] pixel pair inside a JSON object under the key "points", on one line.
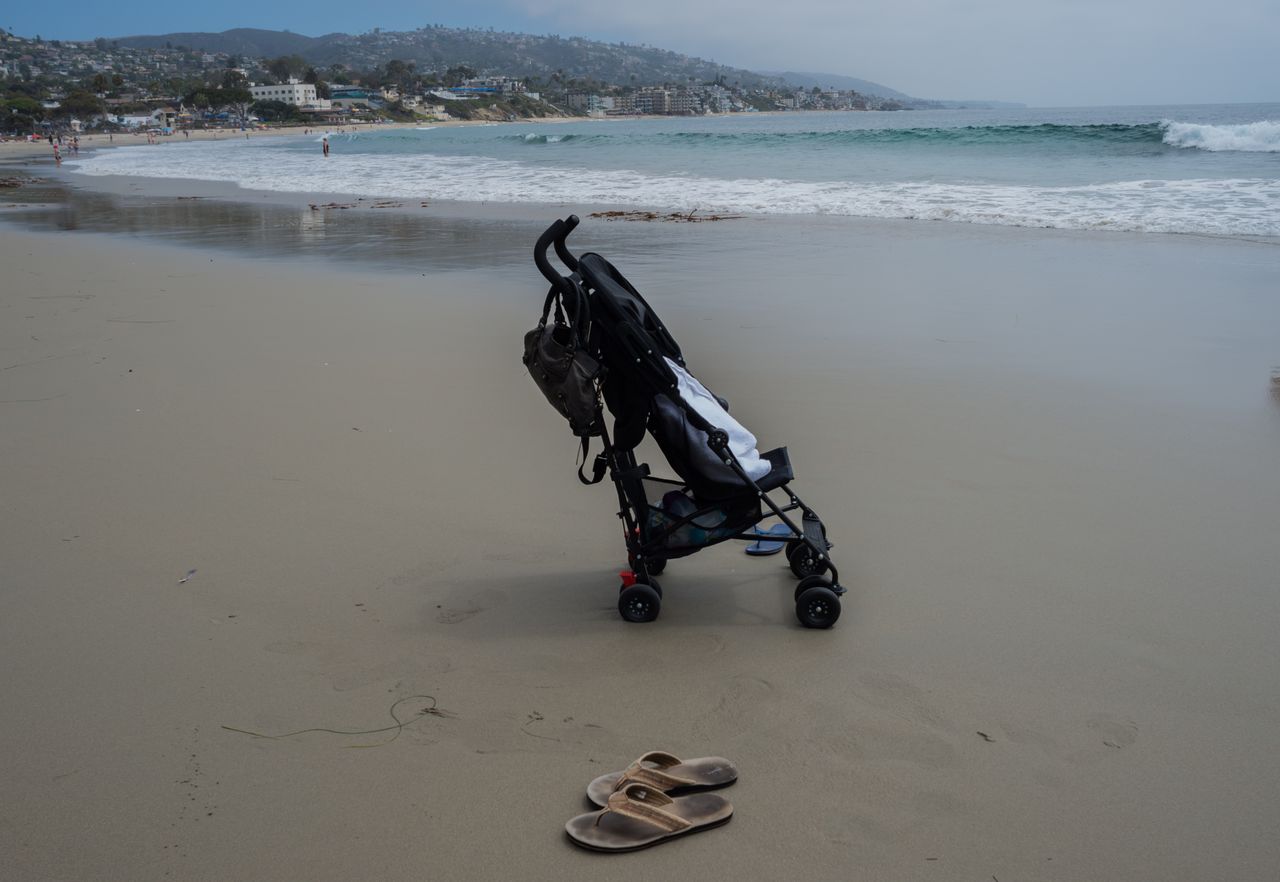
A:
{"points": [[81, 104], [276, 111], [19, 113], [287, 66]]}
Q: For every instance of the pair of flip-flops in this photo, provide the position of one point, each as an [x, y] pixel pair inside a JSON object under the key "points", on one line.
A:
{"points": [[657, 798]]}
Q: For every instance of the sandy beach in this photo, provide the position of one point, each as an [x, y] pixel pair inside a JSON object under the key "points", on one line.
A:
{"points": [[261, 477], [97, 141], [13, 148]]}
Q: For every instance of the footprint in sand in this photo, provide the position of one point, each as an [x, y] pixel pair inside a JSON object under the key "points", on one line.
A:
{"points": [[449, 616], [1117, 733], [890, 692]]}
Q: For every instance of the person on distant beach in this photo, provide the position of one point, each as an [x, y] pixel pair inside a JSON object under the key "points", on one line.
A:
{"points": [[57, 155], [324, 142]]}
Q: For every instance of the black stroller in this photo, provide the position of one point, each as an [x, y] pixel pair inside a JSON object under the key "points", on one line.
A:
{"points": [[725, 485]]}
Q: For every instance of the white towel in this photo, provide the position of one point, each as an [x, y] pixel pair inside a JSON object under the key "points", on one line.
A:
{"points": [[741, 442]]}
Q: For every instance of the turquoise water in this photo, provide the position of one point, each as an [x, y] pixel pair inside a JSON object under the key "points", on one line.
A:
{"points": [[1189, 169]]}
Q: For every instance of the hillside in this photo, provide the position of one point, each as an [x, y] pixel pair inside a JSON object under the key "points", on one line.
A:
{"points": [[836, 81], [250, 42], [438, 48]]}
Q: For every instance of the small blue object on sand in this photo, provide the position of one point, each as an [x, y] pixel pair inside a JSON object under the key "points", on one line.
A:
{"points": [[771, 546]]}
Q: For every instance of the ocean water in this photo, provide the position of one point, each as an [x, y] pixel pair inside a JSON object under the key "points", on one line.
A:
{"points": [[1208, 170]]}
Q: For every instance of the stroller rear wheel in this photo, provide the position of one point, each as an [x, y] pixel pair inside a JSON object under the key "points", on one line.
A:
{"points": [[818, 607], [639, 603]]}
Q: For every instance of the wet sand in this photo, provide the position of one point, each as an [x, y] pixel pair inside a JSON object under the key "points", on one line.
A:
{"points": [[1047, 460]]}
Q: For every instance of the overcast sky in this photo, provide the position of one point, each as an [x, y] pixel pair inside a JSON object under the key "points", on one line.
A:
{"points": [[1041, 52]]}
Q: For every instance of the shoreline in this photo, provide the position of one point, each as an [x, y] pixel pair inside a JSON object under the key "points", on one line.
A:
{"points": [[492, 163], [210, 191], [161, 190]]}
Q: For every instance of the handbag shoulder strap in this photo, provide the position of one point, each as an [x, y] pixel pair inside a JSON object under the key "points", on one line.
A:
{"points": [[597, 468]]}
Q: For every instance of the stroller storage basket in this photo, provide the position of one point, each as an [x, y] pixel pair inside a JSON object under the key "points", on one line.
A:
{"points": [[675, 530], [724, 485]]}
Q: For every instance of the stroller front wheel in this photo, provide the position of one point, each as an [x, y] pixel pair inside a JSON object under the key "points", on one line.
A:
{"points": [[805, 561], [639, 603], [818, 607]]}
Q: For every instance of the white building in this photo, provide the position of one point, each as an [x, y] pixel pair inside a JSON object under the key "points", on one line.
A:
{"points": [[293, 92]]}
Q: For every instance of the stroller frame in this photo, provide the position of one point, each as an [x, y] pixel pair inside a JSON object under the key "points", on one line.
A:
{"points": [[818, 592]]}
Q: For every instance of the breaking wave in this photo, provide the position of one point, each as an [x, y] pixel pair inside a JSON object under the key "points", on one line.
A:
{"points": [[1254, 137], [532, 138], [1257, 137]]}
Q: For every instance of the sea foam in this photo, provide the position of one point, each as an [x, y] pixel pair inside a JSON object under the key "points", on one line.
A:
{"points": [[1255, 137], [1225, 207]]}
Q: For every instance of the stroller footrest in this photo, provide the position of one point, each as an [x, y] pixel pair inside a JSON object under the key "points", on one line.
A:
{"points": [[815, 532], [780, 473]]}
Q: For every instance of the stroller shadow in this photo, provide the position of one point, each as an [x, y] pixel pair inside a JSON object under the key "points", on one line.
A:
{"points": [[584, 602]]}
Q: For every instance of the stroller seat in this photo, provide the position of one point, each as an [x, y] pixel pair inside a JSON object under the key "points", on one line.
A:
{"points": [[723, 487]]}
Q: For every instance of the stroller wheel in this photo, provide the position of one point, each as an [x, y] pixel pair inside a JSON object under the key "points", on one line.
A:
{"points": [[818, 607], [640, 603], [811, 582], [804, 561]]}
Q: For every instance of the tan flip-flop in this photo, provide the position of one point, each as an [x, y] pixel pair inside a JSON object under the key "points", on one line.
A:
{"points": [[667, 773], [638, 816]]}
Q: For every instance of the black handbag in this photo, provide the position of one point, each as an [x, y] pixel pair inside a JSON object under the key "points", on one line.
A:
{"points": [[563, 369]]}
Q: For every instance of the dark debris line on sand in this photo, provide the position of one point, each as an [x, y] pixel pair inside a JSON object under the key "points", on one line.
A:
{"points": [[675, 217], [398, 727]]}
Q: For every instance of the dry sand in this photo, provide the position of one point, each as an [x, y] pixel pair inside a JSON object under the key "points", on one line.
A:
{"points": [[1049, 463]]}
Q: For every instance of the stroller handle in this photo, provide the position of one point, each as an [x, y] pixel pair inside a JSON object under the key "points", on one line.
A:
{"points": [[556, 233]]}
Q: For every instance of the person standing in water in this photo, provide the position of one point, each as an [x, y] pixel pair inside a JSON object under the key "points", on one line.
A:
{"points": [[324, 145]]}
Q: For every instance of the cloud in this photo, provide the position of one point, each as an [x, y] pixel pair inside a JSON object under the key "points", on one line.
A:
{"points": [[1049, 52]]}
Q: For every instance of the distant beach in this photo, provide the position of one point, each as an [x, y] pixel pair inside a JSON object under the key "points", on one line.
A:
{"points": [[272, 464]]}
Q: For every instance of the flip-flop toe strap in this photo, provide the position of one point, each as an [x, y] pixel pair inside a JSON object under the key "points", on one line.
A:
{"points": [[644, 803], [651, 770]]}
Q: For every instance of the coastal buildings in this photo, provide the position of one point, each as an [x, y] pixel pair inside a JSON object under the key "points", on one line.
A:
{"points": [[66, 78], [293, 93]]}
